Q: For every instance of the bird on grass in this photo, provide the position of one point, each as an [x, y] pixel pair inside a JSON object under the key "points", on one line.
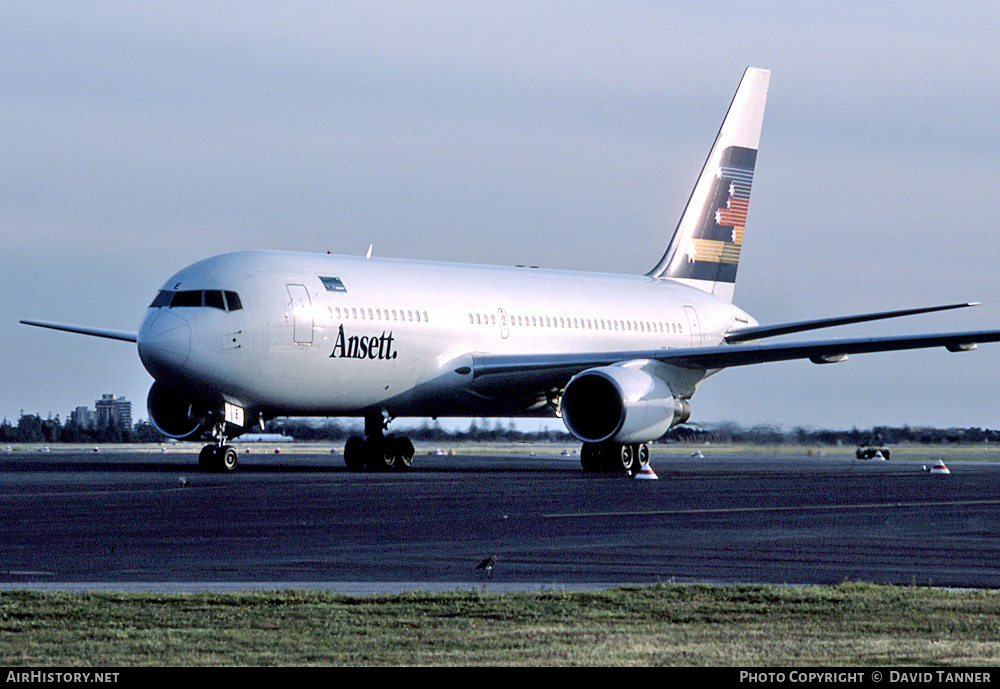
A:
{"points": [[487, 566]]}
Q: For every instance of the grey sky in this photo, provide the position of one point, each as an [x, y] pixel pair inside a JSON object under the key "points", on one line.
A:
{"points": [[138, 138]]}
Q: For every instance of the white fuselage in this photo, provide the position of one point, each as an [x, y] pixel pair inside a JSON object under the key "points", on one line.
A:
{"points": [[341, 335]]}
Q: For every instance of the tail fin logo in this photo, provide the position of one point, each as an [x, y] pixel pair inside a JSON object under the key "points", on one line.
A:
{"points": [[712, 251], [705, 248]]}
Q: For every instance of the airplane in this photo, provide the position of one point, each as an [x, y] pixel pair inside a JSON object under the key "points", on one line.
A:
{"points": [[237, 339]]}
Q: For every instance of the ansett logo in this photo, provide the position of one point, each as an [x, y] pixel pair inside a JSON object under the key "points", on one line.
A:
{"points": [[363, 347]]}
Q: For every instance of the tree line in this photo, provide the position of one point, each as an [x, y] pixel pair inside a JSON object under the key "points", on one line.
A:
{"points": [[32, 428]]}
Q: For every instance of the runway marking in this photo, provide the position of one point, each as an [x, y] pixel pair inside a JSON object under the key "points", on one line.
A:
{"points": [[105, 492], [787, 508], [28, 573]]}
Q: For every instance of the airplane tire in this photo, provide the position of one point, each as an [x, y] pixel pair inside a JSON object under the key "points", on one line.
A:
{"points": [[214, 459], [613, 458], [206, 458], [626, 458], [354, 453], [403, 452], [590, 458], [378, 453], [228, 459], [641, 456]]}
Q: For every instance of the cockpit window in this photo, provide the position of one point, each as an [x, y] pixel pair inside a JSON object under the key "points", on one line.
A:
{"points": [[187, 298], [212, 298], [163, 298]]}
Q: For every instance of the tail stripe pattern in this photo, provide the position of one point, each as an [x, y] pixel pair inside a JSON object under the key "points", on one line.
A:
{"points": [[705, 248]]}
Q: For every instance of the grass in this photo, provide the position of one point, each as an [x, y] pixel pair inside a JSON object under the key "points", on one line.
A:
{"points": [[688, 625]]}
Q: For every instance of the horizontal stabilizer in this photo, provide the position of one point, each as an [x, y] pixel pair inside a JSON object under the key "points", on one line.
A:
{"points": [[123, 335], [759, 332]]}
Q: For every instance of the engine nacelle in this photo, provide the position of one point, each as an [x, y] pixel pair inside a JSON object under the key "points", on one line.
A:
{"points": [[621, 404], [173, 415]]}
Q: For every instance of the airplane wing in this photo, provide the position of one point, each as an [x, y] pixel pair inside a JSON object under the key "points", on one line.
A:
{"points": [[556, 369], [759, 332], [95, 332]]}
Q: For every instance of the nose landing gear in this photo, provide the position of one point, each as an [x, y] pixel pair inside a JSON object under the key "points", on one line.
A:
{"points": [[218, 458]]}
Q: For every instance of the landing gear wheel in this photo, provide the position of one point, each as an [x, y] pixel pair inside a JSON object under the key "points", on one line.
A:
{"points": [[590, 458], [213, 458], [626, 458], [228, 459], [641, 456], [354, 453], [402, 453], [613, 458], [206, 458], [378, 453]]}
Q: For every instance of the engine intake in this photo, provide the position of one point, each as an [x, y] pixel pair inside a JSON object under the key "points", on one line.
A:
{"points": [[173, 415], [621, 404]]}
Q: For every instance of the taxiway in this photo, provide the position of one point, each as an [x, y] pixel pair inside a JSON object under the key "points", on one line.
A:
{"points": [[134, 520]]}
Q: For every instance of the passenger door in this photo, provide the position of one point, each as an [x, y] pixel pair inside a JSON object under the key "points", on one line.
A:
{"points": [[302, 317], [694, 326]]}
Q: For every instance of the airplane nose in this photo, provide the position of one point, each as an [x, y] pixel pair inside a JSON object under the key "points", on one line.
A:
{"points": [[164, 343]]}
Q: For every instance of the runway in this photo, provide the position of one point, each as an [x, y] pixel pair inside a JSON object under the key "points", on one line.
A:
{"points": [[124, 520]]}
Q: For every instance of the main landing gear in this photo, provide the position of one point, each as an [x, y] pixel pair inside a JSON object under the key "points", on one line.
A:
{"points": [[378, 451], [614, 457]]}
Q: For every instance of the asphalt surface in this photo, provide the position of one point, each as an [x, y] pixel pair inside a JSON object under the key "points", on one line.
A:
{"points": [[126, 520]]}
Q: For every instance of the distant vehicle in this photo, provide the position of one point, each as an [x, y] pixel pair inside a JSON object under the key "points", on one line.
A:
{"points": [[868, 451]]}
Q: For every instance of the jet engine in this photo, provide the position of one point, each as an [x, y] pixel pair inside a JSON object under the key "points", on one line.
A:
{"points": [[173, 415], [621, 404]]}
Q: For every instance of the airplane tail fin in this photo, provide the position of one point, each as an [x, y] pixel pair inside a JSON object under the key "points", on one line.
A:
{"points": [[705, 249]]}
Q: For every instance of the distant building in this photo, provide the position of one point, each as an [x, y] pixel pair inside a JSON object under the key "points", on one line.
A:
{"points": [[113, 413], [82, 417]]}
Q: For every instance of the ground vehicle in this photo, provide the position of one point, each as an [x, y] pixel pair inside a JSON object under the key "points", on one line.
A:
{"points": [[870, 451]]}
